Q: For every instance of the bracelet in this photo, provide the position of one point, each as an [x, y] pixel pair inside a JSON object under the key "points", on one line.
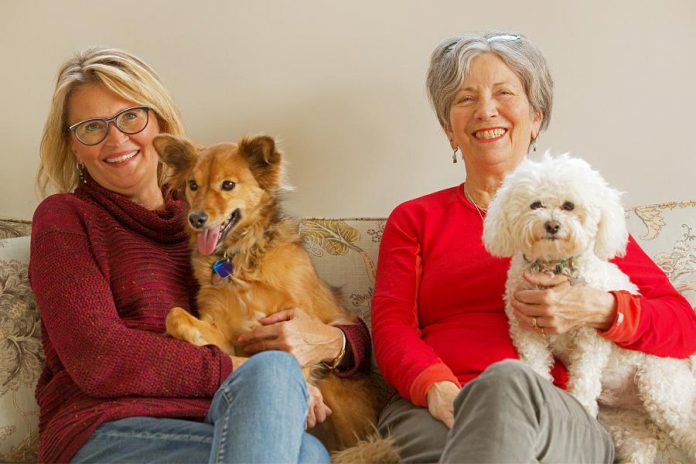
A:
{"points": [[341, 354]]}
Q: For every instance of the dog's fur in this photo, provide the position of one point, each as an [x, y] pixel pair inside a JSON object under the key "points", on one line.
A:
{"points": [[593, 230], [234, 211]]}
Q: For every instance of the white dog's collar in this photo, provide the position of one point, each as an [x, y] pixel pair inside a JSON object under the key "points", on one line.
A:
{"points": [[567, 266]]}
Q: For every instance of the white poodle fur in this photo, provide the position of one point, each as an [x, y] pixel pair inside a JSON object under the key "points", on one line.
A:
{"points": [[559, 208]]}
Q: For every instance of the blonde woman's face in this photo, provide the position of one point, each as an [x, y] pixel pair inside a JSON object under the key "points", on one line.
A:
{"points": [[491, 119], [122, 163]]}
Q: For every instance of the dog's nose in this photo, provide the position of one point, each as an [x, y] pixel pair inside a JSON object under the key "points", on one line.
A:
{"points": [[198, 218], [552, 226]]}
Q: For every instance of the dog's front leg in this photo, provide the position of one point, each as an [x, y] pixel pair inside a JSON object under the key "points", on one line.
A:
{"points": [[531, 347], [183, 325], [586, 361]]}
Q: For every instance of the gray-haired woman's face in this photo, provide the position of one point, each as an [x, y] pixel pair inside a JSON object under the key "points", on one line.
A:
{"points": [[491, 119]]}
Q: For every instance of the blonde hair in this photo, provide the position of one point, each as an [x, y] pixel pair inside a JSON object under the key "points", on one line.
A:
{"points": [[120, 72]]}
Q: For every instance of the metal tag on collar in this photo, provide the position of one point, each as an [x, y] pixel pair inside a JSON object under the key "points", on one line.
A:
{"points": [[223, 267]]}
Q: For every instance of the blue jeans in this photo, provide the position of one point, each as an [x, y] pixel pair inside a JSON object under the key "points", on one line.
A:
{"points": [[257, 416]]}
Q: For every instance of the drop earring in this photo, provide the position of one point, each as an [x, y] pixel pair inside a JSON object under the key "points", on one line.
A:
{"points": [[454, 155], [81, 173]]}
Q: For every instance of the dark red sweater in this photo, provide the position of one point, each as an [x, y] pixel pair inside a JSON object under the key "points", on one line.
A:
{"points": [[438, 311], [105, 272]]}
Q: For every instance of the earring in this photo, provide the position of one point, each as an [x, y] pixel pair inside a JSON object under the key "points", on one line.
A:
{"points": [[81, 173], [454, 155], [534, 145]]}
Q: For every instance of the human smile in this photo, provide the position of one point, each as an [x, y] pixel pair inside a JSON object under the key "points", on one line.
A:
{"points": [[121, 157], [489, 135]]}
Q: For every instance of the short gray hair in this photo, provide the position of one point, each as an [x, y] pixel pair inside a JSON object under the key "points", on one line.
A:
{"points": [[449, 66]]}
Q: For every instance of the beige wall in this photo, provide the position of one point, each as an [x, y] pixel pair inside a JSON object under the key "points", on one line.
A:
{"points": [[341, 85]]}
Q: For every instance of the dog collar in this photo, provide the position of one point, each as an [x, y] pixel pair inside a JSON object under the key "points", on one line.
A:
{"points": [[567, 266]]}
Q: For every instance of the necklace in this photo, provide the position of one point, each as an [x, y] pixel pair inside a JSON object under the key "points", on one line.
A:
{"points": [[479, 210]]}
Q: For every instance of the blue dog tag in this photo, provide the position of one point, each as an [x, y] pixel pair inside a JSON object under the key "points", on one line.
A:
{"points": [[223, 268]]}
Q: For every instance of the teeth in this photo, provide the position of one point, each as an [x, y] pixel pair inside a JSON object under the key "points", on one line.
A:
{"points": [[490, 134], [121, 158]]}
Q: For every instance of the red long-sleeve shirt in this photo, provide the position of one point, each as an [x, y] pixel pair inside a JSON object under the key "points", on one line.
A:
{"points": [[105, 272], [438, 311]]}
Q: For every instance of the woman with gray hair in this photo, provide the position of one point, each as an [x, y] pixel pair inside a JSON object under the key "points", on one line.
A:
{"points": [[439, 327]]}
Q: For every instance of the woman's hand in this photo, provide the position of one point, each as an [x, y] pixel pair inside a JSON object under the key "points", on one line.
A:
{"points": [[300, 334], [559, 307], [318, 411], [440, 399]]}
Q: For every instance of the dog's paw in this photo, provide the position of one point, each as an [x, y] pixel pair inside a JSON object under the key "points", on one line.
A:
{"points": [[180, 325]]}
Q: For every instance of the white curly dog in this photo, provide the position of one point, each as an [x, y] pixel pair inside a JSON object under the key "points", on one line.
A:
{"points": [[559, 215]]}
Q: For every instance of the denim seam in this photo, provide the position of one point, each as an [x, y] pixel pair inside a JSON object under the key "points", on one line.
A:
{"points": [[153, 436], [220, 455]]}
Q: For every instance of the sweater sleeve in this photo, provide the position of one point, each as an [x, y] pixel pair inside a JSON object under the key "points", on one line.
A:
{"points": [[103, 356], [666, 322], [406, 361], [358, 349]]}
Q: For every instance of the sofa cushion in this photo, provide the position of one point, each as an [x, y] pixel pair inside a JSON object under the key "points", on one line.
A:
{"points": [[14, 228], [21, 356], [667, 232], [344, 252]]}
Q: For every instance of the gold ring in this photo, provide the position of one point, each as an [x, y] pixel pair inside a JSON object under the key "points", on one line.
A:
{"points": [[534, 323], [543, 334]]}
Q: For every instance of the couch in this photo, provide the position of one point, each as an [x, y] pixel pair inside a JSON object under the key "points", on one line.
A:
{"points": [[345, 253]]}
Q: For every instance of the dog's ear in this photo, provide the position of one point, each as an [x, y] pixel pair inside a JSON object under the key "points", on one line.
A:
{"points": [[178, 154], [497, 227], [612, 231], [263, 159]]}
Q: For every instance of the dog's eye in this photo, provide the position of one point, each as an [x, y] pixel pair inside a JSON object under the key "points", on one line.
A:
{"points": [[568, 206], [536, 205], [228, 185], [193, 185]]}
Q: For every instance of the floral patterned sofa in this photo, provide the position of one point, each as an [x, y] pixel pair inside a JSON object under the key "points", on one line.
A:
{"points": [[345, 253]]}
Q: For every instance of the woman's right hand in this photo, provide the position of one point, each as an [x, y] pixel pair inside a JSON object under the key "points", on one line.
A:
{"points": [[440, 399]]}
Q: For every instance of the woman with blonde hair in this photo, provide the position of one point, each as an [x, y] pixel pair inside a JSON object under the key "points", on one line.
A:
{"points": [[109, 258]]}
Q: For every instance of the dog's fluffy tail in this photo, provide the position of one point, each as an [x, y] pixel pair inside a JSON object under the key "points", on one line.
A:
{"points": [[373, 449]]}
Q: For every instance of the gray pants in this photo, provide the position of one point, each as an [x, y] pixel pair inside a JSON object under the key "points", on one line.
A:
{"points": [[509, 414]]}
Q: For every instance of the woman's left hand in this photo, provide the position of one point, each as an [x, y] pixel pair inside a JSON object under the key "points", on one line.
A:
{"points": [[300, 334], [318, 411], [558, 307]]}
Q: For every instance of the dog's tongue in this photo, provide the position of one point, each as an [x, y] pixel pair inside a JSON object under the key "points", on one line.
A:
{"points": [[207, 240]]}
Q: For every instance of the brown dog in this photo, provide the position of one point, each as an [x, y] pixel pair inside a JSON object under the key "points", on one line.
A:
{"points": [[236, 225]]}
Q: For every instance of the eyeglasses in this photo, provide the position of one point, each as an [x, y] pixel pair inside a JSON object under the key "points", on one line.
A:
{"points": [[129, 121]]}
